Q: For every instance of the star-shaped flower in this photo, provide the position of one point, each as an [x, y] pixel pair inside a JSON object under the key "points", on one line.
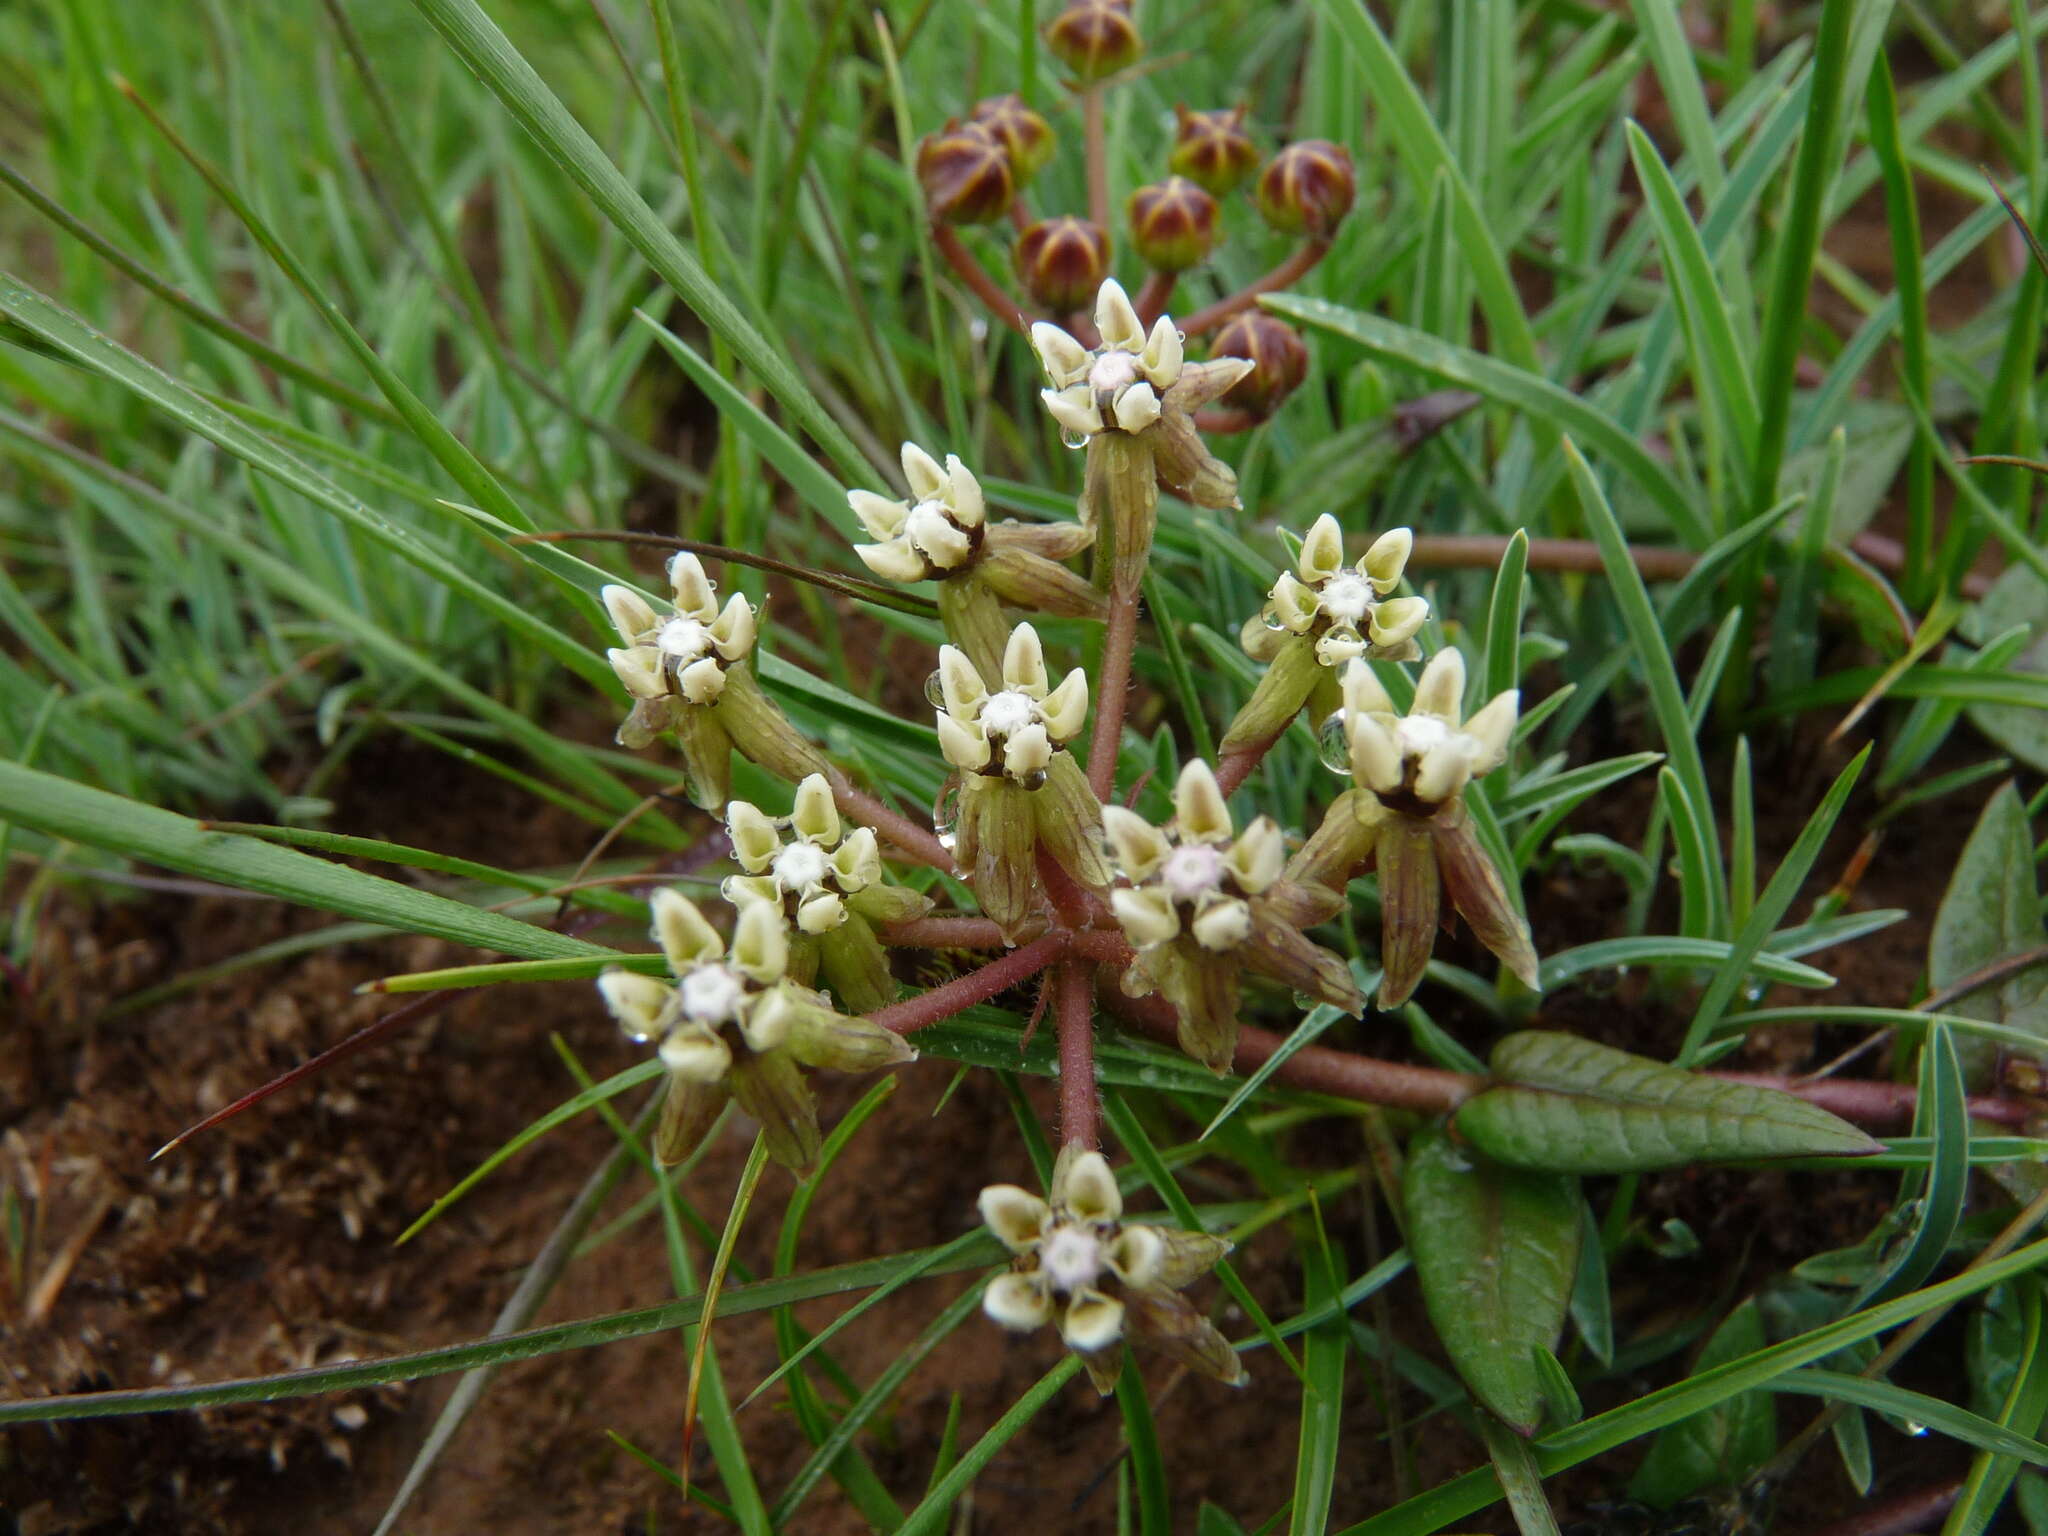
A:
{"points": [[1420, 760], [938, 530], [1204, 904], [1347, 611], [1119, 383], [732, 1024], [683, 655], [1014, 731], [1078, 1263]]}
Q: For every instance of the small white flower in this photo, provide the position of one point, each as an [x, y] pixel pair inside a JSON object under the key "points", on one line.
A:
{"points": [[939, 530], [810, 874], [1015, 730], [1426, 754], [1118, 384], [682, 655], [1196, 876], [1347, 610]]}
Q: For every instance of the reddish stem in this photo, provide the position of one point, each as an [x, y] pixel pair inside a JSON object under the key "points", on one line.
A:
{"points": [[1112, 692], [949, 998], [1153, 296], [1290, 271], [1098, 156], [1233, 768], [1020, 213], [1873, 1105], [912, 841], [975, 276], [1079, 1104], [943, 933], [1902, 1515]]}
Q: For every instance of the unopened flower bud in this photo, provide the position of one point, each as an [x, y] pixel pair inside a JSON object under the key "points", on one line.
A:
{"points": [[1095, 38], [965, 173], [1276, 352], [1026, 137], [1173, 224], [1062, 261], [1307, 188], [1212, 149]]}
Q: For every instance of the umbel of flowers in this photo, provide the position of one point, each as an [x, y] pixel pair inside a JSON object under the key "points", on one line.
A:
{"points": [[1407, 815], [943, 534], [1020, 789], [733, 1024], [688, 672], [827, 884], [1100, 1279], [1200, 907]]}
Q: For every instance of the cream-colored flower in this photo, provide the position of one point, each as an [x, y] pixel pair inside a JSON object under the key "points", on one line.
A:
{"points": [[1348, 611], [1015, 730], [1119, 384], [683, 654], [1424, 758], [938, 530], [1077, 1263], [811, 873], [732, 1023], [1195, 877]]}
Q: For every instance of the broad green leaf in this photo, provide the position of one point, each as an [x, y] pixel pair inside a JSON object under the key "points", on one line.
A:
{"points": [[1992, 910], [1728, 1442], [1496, 1250], [1575, 1106], [2017, 597]]}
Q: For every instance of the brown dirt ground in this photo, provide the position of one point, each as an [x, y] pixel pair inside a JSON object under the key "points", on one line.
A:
{"points": [[268, 1243]]}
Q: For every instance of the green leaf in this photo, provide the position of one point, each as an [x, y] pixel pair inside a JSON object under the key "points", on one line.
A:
{"points": [[1495, 1250], [2019, 596], [59, 808], [1575, 1106], [1992, 909], [1728, 1442]]}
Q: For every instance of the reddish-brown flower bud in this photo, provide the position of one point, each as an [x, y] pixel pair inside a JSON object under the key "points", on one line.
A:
{"points": [[1277, 354], [965, 173], [1062, 261], [1095, 38], [1173, 224], [1026, 137], [1212, 149], [1307, 188]]}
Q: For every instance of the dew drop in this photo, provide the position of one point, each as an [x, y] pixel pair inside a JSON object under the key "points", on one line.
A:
{"points": [[934, 692], [946, 811], [1270, 617], [1333, 746], [1069, 438], [1912, 1428]]}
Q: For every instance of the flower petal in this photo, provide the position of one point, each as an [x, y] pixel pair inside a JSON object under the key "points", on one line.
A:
{"points": [[893, 561], [735, 628], [880, 516], [964, 746], [857, 862], [631, 614], [1116, 320], [1259, 856], [1138, 847], [639, 668], [752, 832], [702, 681], [926, 479], [1092, 1322], [1322, 550], [696, 598], [1024, 663], [760, 943], [683, 932], [1137, 407], [959, 683], [1146, 914], [1065, 360], [1445, 768], [1363, 692], [1387, 558], [1027, 752], [1375, 760], [1492, 728], [1137, 1254], [636, 1001], [1201, 814], [1018, 1302], [767, 1021], [821, 912], [696, 1056], [1083, 1183], [963, 493], [1398, 619], [1440, 691], [815, 817], [1065, 709], [1163, 354], [1016, 1216], [1074, 409], [1222, 925]]}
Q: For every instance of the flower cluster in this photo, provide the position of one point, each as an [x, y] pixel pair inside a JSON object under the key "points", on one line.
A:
{"points": [[1077, 1263], [1200, 906], [1317, 618], [734, 1025]]}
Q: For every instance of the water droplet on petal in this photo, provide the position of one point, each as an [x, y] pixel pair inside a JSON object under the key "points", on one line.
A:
{"points": [[1333, 746], [1270, 617], [946, 811], [934, 692], [1069, 438]]}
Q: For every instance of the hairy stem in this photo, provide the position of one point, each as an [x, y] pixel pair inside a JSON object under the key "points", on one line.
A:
{"points": [[1290, 271], [1080, 1106], [1098, 156], [943, 933], [1233, 768], [943, 1001], [1112, 691], [913, 842], [975, 276]]}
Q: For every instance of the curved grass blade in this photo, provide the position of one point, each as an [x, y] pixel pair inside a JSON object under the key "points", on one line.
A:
{"points": [[935, 1512]]}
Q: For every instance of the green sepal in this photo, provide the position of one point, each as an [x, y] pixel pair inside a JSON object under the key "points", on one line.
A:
{"points": [[855, 965], [1290, 677]]}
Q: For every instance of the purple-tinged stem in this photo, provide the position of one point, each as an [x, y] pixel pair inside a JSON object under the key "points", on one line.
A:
{"points": [[962, 992], [1289, 272], [1080, 1104]]}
